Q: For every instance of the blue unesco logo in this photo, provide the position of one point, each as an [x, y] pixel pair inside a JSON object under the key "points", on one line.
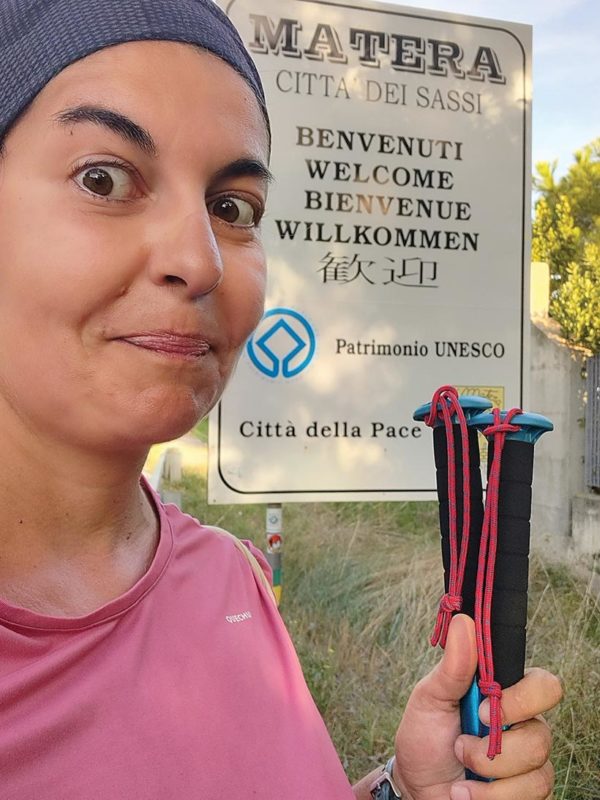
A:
{"points": [[283, 344]]}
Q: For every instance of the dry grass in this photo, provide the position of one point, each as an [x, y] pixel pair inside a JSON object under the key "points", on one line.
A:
{"points": [[565, 637], [361, 587]]}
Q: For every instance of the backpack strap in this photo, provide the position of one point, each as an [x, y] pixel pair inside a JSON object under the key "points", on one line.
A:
{"points": [[250, 558]]}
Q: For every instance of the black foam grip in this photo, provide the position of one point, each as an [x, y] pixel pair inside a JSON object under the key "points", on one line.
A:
{"points": [[509, 599], [441, 466]]}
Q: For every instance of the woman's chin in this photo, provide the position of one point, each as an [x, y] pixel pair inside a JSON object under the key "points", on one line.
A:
{"points": [[170, 433], [140, 428], [168, 413], [168, 426]]}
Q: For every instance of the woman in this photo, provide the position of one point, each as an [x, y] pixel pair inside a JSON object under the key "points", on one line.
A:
{"points": [[137, 647]]}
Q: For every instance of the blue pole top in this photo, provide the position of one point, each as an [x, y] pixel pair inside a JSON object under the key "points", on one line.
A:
{"points": [[470, 404], [531, 426]]}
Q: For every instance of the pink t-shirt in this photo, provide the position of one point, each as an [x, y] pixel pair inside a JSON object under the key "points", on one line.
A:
{"points": [[185, 687]]}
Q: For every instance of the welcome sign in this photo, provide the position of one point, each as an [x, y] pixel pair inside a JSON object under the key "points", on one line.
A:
{"points": [[397, 243]]}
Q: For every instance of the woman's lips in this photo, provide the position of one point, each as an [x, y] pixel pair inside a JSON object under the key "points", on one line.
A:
{"points": [[170, 344]]}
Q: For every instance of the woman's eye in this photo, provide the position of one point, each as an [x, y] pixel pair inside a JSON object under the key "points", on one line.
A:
{"points": [[112, 182], [234, 211]]}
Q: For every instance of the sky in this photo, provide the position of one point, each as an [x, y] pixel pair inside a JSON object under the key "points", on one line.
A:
{"points": [[566, 68]]}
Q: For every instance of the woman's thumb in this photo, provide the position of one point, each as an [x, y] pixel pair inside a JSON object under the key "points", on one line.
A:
{"points": [[452, 677]]}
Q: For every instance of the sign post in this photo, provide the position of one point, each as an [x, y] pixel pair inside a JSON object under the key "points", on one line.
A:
{"points": [[397, 244], [275, 546]]}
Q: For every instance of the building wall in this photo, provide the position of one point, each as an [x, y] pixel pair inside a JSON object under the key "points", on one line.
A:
{"points": [[557, 390]]}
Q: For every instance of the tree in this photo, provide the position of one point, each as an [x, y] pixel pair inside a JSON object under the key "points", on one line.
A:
{"points": [[576, 304], [556, 239], [581, 185], [566, 234]]}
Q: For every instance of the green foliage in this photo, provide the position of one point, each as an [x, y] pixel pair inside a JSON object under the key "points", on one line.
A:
{"points": [[582, 185], [556, 239], [576, 304], [544, 181], [566, 234], [200, 430]]}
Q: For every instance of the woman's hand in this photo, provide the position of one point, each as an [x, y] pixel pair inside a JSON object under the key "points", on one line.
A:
{"points": [[431, 753]]}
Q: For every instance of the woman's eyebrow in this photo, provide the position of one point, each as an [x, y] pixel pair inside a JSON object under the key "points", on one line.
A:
{"points": [[114, 121], [132, 132], [244, 167]]}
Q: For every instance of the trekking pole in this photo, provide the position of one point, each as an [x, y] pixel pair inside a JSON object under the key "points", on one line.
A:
{"points": [[503, 565], [460, 498], [495, 562]]}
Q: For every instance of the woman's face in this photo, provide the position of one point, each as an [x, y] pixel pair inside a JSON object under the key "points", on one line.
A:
{"points": [[131, 267]]}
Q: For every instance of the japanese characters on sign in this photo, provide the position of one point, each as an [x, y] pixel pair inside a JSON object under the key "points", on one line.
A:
{"points": [[397, 245]]}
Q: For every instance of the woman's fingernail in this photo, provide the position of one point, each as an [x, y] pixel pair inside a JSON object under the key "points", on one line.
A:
{"points": [[484, 712], [459, 793]]}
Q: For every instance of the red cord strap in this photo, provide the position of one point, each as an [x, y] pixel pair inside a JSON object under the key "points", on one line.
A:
{"points": [[485, 579], [444, 405]]}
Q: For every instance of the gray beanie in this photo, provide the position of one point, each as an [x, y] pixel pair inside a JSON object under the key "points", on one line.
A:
{"points": [[39, 38]]}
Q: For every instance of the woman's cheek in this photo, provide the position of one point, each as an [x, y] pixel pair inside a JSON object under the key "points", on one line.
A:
{"points": [[245, 286]]}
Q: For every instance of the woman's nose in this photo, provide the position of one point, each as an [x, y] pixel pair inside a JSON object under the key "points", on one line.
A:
{"points": [[185, 253]]}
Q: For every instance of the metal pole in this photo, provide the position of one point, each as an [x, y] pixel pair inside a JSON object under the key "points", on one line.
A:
{"points": [[275, 545]]}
